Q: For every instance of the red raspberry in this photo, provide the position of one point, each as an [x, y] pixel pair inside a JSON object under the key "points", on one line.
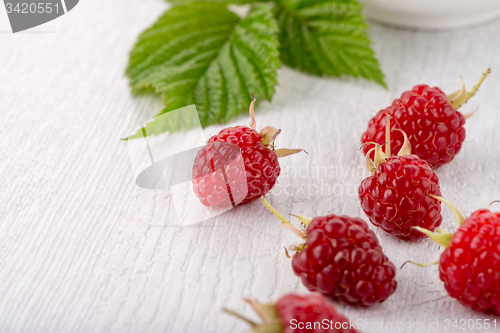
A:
{"points": [[223, 178], [298, 314], [343, 260], [245, 184], [396, 198], [429, 118], [470, 263]]}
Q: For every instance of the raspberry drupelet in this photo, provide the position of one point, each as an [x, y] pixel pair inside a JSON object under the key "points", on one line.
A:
{"points": [[430, 118], [342, 259]]}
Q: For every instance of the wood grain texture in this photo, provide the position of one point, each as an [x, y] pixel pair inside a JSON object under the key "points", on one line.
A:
{"points": [[82, 249]]}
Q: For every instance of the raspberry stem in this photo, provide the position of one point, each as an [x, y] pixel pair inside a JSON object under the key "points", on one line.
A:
{"points": [[369, 163], [458, 216], [379, 157], [491, 203], [286, 223], [287, 152], [268, 134], [406, 148], [418, 264], [460, 97], [305, 220], [443, 239], [473, 91], [237, 315], [470, 114], [252, 113]]}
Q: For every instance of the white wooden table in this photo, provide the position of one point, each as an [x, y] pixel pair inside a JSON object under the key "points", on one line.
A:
{"points": [[83, 249]]}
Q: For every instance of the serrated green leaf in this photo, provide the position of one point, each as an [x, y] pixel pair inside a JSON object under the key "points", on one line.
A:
{"points": [[326, 37], [203, 54]]}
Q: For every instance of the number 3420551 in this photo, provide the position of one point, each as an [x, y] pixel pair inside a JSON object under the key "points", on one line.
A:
{"points": [[470, 324], [32, 8]]}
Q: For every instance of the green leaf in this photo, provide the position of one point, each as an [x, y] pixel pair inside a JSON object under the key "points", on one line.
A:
{"points": [[236, 2], [203, 54], [181, 119], [326, 37]]}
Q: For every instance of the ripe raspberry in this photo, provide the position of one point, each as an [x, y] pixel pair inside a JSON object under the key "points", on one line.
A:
{"points": [[300, 314], [237, 166], [429, 118], [396, 198], [342, 259], [256, 178], [470, 263]]}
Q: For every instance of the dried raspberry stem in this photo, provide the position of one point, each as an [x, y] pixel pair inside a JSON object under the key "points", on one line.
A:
{"points": [[287, 152], [470, 114], [378, 158], [406, 148], [419, 264], [491, 203], [286, 253], [268, 134], [286, 223], [369, 163], [252, 113]]}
